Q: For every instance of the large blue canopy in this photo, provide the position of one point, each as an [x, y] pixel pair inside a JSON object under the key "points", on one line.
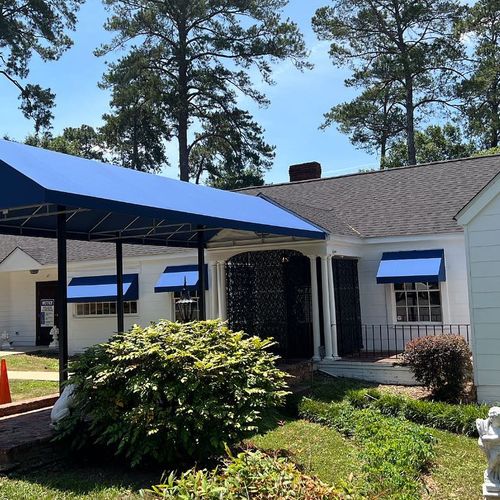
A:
{"points": [[174, 278], [102, 288], [109, 203], [412, 266]]}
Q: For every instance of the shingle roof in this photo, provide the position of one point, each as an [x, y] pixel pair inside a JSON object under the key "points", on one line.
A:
{"points": [[422, 199], [44, 250]]}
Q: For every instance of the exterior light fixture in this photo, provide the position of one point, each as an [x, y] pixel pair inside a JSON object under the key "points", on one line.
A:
{"points": [[185, 304], [33, 271]]}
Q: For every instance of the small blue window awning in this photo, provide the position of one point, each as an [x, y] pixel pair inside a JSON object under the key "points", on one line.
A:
{"points": [[172, 279], [412, 266], [102, 288]]}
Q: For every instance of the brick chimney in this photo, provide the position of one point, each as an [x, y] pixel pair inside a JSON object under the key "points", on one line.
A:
{"points": [[305, 171]]}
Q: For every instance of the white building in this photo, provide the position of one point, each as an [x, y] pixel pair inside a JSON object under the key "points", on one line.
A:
{"points": [[393, 267]]}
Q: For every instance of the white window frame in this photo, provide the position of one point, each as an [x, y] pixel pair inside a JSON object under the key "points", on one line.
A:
{"points": [[443, 291], [92, 316]]}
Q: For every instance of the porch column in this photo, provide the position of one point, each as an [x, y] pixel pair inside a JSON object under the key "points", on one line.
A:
{"points": [[221, 281], [333, 312], [213, 290], [62, 296], [327, 321], [315, 309]]}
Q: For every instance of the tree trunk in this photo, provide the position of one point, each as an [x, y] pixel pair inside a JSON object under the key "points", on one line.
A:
{"points": [[410, 122], [183, 118]]}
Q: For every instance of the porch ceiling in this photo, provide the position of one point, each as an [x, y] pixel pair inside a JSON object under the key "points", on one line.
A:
{"points": [[104, 202]]}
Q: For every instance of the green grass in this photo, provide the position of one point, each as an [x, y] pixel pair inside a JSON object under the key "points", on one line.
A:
{"points": [[26, 389], [33, 361], [318, 450], [73, 482], [458, 468]]}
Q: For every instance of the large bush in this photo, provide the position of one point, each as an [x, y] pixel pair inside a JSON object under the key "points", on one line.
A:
{"points": [[442, 363], [172, 392], [251, 474]]}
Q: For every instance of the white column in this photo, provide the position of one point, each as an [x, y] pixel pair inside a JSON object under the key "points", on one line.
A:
{"points": [[315, 309], [221, 280], [333, 313], [327, 322], [213, 290]]}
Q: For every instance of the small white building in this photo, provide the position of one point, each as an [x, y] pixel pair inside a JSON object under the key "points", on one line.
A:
{"points": [[481, 220], [393, 267]]}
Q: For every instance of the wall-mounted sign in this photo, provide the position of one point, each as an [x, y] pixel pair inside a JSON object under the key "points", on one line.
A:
{"points": [[47, 313]]}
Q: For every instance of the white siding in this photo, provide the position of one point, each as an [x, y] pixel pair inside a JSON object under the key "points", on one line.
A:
{"points": [[483, 237]]}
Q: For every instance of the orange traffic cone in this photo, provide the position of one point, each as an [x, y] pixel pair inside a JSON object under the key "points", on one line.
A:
{"points": [[4, 384]]}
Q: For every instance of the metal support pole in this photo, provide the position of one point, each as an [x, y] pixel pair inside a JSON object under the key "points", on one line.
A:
{"points": [[201, 274], [120, 316], [62, 296]]}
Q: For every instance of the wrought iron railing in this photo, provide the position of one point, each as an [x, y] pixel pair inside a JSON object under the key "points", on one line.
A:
{"points": [[389, 340]]}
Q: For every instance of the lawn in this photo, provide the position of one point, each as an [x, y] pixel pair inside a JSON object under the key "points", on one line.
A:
{"points": [[456, 472], [33, 361], [26, 389]]}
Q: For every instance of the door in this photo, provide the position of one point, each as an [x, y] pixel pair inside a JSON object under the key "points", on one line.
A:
{"points": [[347, 306], [46, 311]]}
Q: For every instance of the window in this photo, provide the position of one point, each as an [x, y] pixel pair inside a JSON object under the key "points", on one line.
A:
{"points": [[418, 302], [103, 308], [196, 310]]}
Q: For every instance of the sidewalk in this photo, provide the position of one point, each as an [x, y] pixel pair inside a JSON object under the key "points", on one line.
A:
{"points": [[29, 375]]}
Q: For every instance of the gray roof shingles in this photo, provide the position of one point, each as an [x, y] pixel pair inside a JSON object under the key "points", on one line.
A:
{"points": [[406, 201]]}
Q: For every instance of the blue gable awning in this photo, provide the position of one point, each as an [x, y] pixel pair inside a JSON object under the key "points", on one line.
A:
{"points": [[412, 266], [172, 279], [102, 288]]}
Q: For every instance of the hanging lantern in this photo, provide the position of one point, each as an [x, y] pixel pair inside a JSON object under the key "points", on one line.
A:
{"points": [[186, 304]]}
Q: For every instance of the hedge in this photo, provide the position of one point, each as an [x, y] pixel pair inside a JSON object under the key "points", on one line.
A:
{"points": [[457, 418], [395, 452]]}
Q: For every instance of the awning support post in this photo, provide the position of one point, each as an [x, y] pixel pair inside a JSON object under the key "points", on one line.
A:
{"points": [[119, 287], [201, 274], [62, 299]]}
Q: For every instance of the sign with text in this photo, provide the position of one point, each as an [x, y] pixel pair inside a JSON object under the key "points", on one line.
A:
{"points": [[47, 313]]}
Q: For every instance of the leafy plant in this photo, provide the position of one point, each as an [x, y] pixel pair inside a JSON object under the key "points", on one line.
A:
{"points": [[172, 391], [250, 474], [442, 363], [395, 452], [460, 419]]}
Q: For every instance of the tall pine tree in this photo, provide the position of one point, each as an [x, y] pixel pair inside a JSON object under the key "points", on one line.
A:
{"points": [[198, 54]]}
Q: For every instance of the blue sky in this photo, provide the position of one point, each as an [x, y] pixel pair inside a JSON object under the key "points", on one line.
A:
{"points": [[298, 100]]}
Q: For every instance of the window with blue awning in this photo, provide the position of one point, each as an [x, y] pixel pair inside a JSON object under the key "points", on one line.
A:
{"points": [[102, 288], [174, 277], [412, 267]]}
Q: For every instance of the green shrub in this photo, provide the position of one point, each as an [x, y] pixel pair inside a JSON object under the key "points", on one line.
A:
{"points": [[251, 474], [457, 418], [395, 452], [172, 391], [442, 363]]}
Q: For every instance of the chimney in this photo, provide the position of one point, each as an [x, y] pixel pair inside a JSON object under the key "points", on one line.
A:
{"points": [[305, 171]]}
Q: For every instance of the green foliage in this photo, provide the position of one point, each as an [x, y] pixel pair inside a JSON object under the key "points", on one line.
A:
{"points": [[82, 141], [172, 392], [192, 60], [435, 143], [250, 474], [34, 27], [395, 452], [457, 418], [409, 47], [480, 90], [442, 363]]}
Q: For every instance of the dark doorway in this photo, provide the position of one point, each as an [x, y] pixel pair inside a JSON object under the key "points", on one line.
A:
{"points": [[46, 310], [269, 295], [347, 306]]}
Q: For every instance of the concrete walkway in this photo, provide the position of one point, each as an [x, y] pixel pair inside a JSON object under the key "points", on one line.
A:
{"points": [[22, 350], [29, 375]]}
